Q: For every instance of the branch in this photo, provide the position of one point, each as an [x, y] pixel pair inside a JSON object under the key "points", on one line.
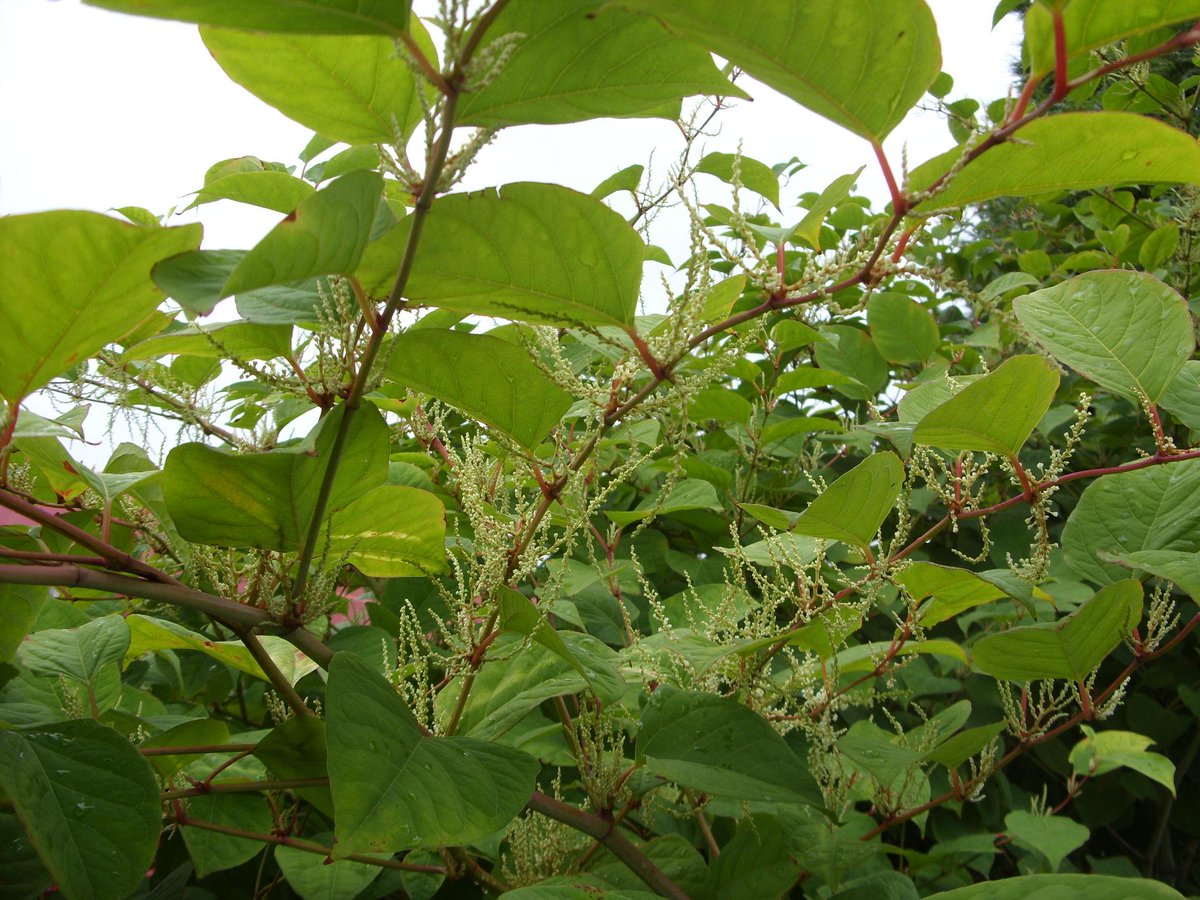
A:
{"points": [[307, 846], [278, 680], [453, 88], [618, 845]]}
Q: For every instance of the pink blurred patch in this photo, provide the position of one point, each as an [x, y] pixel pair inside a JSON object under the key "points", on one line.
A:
{"points": [[356, 610]]}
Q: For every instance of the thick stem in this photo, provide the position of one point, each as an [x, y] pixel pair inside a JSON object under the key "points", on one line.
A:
{"points": [[604, 832], [278, 680]]}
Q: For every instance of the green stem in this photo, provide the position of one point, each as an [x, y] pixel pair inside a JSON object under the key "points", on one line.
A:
{"points": [[452, 88], [245, 787], [278, 680]]}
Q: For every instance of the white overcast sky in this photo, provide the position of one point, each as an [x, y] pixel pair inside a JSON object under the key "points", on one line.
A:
{"points": [[99, 110]]}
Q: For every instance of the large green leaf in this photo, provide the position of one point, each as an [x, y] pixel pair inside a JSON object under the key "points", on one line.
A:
{"points": [[862, 64], [853, 507], [903, 332], [243, 340], [395, 788], [531, 252], [1091, 24], [589, 657], [70, 283], [296, 748], [1182, 568], [717, 745], [390, 17], [1051, 836], [953, 590], [324, 235], [1068, 648], [1071, 151], [1099, 753], [995, 414], [391, 532], [1126, 331], [578, 59], [150, 635], [215, 851], [21, 604], [314, 878], [1156, 508], [89, 803], [486, 377], [76, 653], [352, 88], [688, 494], [1063, 887], [266, 500]]}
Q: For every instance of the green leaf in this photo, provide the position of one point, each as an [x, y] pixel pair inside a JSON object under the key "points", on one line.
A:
{"points": [[314, 878], [1070, 151], [578, 59], [244, 340], [1053, 837], [1063, 887], [191, 733], [756, 863], [995, 414], [1159, 246], [625, 180], [718, 746], [392, 531], [855, 62], [1182, 396], [21, 604], [1157, 508], [270, 190], [194, 279], [1069, 648], [296, 748], [214, 851], [1126, 331], [809, 228], [71, 283], [266, 500], [76, 653], [395, 788], [851, 352], [904, 332], [853, 507], [324, 235], [351, 88], [517, 613], [530, 252], [688, 494], [389, 17], [875, 751], [1099, 753], [486, 377], [953, 590], [151, 635], [1092, 24], [957, 749], [1181, 568], [752, 174], [89, 804]]}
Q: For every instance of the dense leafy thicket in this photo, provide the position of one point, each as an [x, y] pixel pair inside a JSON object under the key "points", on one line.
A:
{"points": [[861, 561]]}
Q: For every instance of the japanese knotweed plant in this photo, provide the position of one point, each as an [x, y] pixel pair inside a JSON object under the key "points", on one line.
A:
{"points": [[479, 546]]}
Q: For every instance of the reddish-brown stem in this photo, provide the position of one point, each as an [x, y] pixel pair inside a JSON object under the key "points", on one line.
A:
{"points": [[899, 201], [181, 818], [244, 787], [1061, 81], [39, 557], [1026, 96]]}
